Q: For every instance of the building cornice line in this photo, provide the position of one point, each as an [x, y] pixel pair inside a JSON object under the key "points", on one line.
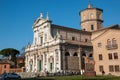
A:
{"points": [[100, 34], [91, 20]]}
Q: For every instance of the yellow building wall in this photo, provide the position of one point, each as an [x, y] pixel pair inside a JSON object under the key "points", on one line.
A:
{"points": [[102, 37]]}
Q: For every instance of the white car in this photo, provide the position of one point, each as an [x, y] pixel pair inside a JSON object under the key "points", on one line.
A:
{"points": [[10, 76]]}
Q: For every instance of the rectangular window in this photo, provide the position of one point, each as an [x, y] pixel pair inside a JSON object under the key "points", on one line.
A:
{"points": [[41, 39], [109, 44], [111, 68], [114, 42], [117, 68], [110, 56], [115, 55], [73, 38], [4, 66], [100, 57], [100, 68], [99, 44], [92, 27]]}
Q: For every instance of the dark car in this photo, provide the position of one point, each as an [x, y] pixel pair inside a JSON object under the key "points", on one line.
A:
{"points": [[10, 76]]}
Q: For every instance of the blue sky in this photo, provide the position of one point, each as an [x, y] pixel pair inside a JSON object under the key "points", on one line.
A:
{"points": [[17, 17]]}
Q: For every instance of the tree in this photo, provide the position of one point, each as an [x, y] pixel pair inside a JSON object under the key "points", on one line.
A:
{"points": [[11, 53]]}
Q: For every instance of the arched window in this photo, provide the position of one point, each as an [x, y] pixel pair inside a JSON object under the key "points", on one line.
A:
{"points": [[83, 53], [67, 54], [92, 27], [108, 42], [91, 16], [84, 17], [75, 54], [114, 41]]}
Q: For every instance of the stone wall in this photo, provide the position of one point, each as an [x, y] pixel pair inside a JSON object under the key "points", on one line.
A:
{"points": [[72, 63]]}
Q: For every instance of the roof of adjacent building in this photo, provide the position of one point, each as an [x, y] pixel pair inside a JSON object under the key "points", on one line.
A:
{"points": [[4, 61], [116, 26], [69, 29]]}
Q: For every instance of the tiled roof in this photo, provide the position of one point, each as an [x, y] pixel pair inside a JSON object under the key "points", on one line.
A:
{"points": [[116, 26], [69, 29]]}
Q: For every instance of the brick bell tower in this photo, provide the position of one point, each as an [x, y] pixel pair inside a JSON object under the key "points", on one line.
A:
{"points": [[91, 18]]}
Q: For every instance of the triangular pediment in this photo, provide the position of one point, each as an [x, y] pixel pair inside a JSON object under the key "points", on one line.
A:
{"points": [[39, 22]]}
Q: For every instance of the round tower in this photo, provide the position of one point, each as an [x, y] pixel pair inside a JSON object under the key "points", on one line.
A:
{"points": [[91, 18]]}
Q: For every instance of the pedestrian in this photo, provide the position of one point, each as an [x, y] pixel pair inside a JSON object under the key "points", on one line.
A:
{"points": [[103, 72]]}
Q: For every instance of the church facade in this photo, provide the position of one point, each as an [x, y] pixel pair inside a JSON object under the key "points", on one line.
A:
{"points": [[57, 48]]}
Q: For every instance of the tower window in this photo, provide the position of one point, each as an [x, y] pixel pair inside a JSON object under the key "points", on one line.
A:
{"points": [[91, 15], [84, 17], [92, 27]]}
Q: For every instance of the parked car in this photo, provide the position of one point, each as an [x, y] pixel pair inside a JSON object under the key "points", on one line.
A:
{"points": [[10, 76]]}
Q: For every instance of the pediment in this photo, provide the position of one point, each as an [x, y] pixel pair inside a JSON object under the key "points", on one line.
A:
{"points": [[39, 22]]}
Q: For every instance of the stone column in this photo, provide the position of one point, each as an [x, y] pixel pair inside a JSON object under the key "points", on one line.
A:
{"points": [[43, 67], [47, 63], [59, 60], [63, 59], [33, 62], [54, 56], [36, 62], [79, 55]]}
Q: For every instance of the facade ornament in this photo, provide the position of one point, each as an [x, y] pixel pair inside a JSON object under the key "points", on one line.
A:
{"points": [[41, 15], [47, 16], [90, 6]]}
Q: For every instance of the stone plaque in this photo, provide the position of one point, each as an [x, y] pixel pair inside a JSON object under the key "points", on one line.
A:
{"points": [[89, 67]]}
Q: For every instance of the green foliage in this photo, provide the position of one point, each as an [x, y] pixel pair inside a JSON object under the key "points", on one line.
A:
{"points": [[9, 52], [74, 77]]}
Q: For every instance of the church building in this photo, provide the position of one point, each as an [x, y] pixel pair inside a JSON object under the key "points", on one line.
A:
{"points": [[58, 48]]}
